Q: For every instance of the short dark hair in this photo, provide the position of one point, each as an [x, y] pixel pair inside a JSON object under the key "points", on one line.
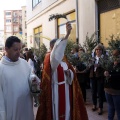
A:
{"points": [[52, 42], [10, 40]]}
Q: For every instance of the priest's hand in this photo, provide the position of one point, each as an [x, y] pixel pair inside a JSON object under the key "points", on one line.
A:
{"points": [[68, 30]]}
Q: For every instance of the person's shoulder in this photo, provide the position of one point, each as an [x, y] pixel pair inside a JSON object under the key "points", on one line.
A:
{"points": [[23, 60], [24, 63]]}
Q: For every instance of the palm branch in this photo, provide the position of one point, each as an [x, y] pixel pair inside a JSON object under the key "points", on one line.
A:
{"points": [[57, 16]]}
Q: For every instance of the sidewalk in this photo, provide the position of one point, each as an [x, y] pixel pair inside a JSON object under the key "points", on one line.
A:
{"points": [[94, 115], [91, 115]]}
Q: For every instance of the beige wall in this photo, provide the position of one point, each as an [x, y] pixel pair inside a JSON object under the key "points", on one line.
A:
{"points": [[44, 4], [48, 27], [87, 18], [109, 25]]}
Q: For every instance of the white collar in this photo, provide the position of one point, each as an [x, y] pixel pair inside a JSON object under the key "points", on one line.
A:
{"points": [[96, 57]]}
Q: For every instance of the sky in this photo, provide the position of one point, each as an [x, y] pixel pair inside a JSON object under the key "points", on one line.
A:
{"points": [[9, 5]]}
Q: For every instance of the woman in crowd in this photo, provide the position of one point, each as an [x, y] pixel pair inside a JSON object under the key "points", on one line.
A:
{"points": [[82, 74], [112, 87], [97, 79]]}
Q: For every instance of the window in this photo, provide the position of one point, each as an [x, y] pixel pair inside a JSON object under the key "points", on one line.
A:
{"points": [[8, 28], [15, 28], [35, 2], [38, 39], [15, 14], [8, 13], [8, 20], [62, 26], [15, 20]]}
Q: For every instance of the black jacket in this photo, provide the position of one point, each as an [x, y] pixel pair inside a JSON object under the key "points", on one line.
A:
{"points": [[82, 77], [114, 81]]}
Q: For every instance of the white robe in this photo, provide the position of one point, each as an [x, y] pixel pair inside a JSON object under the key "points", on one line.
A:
{"points": [[56, 59], [15, 98]]}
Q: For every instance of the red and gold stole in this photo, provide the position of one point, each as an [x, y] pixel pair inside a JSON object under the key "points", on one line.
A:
{"points": [[61, 93]]}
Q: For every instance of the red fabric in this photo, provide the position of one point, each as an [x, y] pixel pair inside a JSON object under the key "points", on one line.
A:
{"points": [[71, 101], [61, 93], [44, 112]]}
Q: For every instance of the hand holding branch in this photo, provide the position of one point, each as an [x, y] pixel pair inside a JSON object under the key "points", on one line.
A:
{"points": [[68, 30]]}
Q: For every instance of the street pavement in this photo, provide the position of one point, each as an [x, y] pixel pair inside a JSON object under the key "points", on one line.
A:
{"points": [[94, 115], [91, 115]]}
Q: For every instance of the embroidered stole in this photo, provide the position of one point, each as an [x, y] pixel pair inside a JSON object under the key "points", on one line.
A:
{"points": [[61, 93]]}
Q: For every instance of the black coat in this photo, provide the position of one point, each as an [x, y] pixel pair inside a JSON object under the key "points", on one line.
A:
{"points": [[82, 77], [114, 81]]}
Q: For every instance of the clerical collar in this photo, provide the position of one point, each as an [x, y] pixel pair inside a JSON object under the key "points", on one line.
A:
{"points": [[8, 59]]}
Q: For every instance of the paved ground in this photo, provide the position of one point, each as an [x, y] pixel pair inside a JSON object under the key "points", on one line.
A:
{"points": [[92, 115]]}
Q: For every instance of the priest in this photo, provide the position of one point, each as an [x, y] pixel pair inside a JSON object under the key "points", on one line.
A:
{"points": [[61, 97]]}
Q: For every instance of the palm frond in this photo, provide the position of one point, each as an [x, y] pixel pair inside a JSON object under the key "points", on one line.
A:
{"points": [[114, 42], [90, 42], [57, 16]]}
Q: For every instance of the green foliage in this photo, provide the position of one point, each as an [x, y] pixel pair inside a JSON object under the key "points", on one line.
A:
{"points": [[90, 42], [70, 46], [86, 58], [57, 16], [43, 51], [40, 53], [106, 63], [114, 42]]}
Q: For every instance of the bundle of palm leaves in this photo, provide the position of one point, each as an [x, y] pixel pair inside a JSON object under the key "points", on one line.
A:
{"points": [[90, 42], [114, 42], [57, 16], [42, 53], [106, 63], [71, 58], [86, 58]]}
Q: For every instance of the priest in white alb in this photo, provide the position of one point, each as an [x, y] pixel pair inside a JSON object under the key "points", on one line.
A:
{"points": [[16, 102], [61, 97]]}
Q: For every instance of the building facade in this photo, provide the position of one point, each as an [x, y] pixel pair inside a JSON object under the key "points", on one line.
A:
{"points": [[39, 28], [12, 23], [2, 42], [86, 17], [24, 25], [109, 19]]}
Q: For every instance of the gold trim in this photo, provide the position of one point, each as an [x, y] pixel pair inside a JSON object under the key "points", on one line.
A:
{"points": [[46, 75]]}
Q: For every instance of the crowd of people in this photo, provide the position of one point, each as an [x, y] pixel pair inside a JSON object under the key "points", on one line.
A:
{"points": [[63, 85], [104, 83]]}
